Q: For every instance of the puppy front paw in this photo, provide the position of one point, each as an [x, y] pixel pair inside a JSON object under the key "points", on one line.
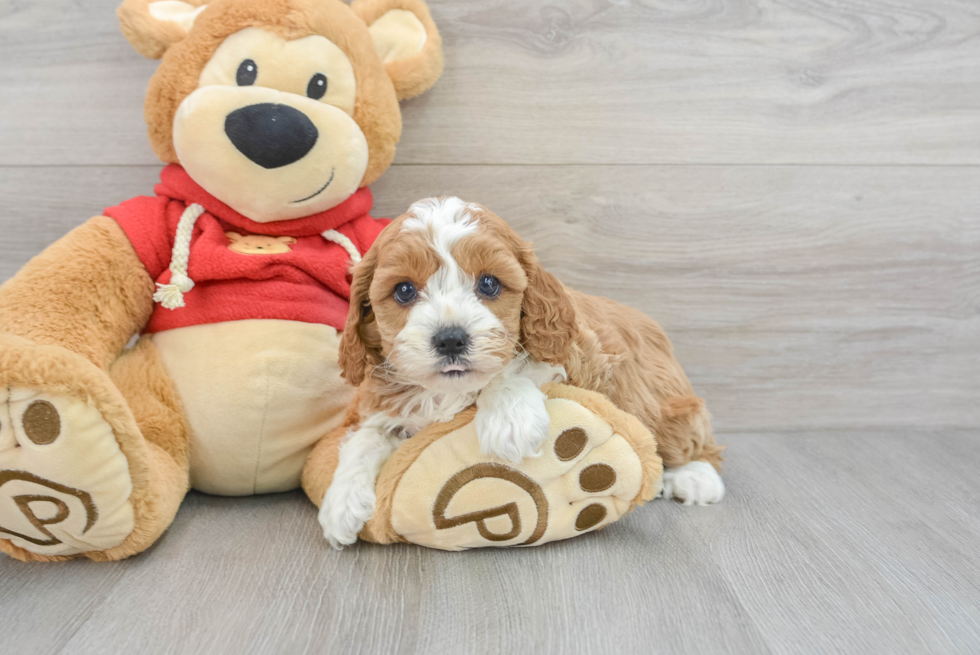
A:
{"points": [[345, 509], [513, 430]]}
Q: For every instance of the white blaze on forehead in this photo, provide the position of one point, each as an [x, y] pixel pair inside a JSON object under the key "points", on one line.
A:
{"points": [[444, 221]]}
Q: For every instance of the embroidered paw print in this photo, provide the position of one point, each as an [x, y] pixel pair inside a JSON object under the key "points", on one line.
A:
{"points": [[593, 479], [587, 477], [64, 482], [258, 244]]}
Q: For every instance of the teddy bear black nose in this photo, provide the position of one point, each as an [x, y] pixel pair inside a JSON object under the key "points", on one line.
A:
{"points": [[271, 135]]}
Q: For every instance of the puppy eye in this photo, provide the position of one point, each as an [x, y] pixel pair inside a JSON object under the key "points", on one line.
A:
{"points": [[488, 286], [405, 293], [317, 86], [247, 72]]}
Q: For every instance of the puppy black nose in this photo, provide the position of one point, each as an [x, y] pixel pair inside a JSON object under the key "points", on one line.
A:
{"points": [[451, 342], [271, 135]]}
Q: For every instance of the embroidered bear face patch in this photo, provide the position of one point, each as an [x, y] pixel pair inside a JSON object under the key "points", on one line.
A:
{"points": [[258, 244]]}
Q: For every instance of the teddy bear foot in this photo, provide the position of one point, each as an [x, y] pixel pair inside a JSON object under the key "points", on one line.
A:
{"points": [[65, 485], [438, 490]]}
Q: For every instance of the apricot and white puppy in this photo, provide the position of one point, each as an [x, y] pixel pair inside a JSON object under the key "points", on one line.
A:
{"points": [[450, 308]]}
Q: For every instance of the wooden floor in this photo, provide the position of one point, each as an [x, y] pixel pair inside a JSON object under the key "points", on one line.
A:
{"points": [[792, 187]]}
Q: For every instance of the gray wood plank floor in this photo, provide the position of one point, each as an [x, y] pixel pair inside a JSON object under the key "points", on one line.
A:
{"points": [[790, 187]]}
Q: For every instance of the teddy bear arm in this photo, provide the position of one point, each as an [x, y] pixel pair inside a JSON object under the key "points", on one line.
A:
{"points": [[87, 292]]}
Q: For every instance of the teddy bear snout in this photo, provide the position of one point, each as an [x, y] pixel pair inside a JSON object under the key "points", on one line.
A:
{"points": [[271, 135]]}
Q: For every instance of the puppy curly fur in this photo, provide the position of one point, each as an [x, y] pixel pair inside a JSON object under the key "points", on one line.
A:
{"points": [[603, 346], [529, 330]]}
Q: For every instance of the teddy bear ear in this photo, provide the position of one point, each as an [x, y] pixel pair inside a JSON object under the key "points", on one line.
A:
{"points": [[286, 240], [152, 26], [407, 41], [234, 236]]}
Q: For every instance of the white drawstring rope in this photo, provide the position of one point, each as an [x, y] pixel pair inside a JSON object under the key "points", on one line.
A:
{"points": [[344, 242], [171, 295]]}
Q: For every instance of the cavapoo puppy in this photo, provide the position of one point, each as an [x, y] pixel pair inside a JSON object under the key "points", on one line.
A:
{"points": [[450, 307]]}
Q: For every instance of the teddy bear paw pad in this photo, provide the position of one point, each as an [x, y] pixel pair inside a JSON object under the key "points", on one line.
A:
{"points": [[587, 477], [64, 483]]}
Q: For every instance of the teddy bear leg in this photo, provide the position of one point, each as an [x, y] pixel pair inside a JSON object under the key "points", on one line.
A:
{"points": [[439, 490], [143, 380], [77, 477]]}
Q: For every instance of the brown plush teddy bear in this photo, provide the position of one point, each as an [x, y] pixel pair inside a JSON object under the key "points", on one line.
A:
{"points": [[273, 116]]}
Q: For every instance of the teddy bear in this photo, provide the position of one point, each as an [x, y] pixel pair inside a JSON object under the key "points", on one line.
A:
{"points": [[273, 117]]}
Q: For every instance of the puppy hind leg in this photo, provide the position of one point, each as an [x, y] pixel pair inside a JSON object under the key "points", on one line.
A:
{"points": [[684, 433], [691, 456]]}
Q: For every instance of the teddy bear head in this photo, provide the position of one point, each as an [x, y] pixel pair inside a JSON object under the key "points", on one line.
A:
{"points": [[281, 108]]}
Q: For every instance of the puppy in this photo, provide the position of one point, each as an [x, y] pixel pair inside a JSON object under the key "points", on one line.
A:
{"points": [[450, 307]]}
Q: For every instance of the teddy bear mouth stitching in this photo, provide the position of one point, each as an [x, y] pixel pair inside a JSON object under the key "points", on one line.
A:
{"points": [[322, 189]]}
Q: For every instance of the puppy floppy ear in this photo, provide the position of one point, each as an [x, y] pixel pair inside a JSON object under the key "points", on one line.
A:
{"points": [[406, 40], [360, 344], [152, 26], [548, 326]]}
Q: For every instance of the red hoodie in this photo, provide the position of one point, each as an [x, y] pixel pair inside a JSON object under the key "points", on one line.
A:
{"points": [[306, 280]]}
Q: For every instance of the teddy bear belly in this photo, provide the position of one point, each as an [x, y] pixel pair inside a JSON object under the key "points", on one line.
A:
{"points": [[257, 395]]}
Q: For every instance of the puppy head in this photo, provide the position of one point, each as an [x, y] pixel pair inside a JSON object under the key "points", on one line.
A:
{"points": [[447, 296]]}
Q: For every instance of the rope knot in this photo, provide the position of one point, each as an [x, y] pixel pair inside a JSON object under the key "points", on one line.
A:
{"points": [[171, 295]]}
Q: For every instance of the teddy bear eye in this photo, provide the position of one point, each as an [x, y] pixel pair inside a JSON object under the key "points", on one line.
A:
{"points": [[247, 72], [317, 86]]}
